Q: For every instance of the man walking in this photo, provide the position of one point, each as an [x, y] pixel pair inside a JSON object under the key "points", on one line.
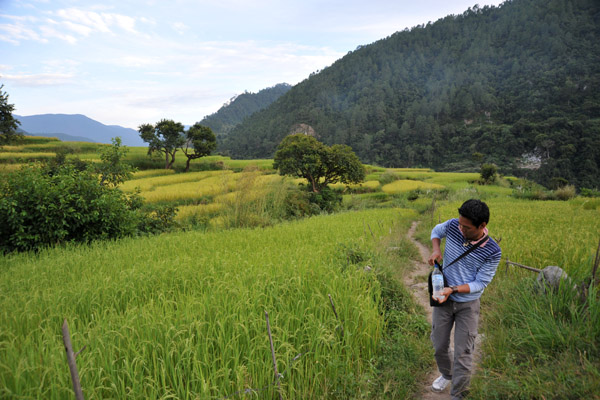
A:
{"points": [[466, 278]]}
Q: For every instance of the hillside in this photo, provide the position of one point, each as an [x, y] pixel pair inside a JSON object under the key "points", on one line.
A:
{"points": [[239, 107], [508, 85], [67, 126]]}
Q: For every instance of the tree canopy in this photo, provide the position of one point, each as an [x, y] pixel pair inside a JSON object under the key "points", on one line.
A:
{"points": [[165, 137], [304, 156], [200, 141], [8, 124]]}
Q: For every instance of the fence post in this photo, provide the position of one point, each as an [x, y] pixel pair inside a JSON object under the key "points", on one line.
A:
{"points": [[273, 355], [71, 360]]}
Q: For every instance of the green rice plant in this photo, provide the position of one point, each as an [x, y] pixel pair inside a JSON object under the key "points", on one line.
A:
{"points": [[151, 173], [183, 315], [153, 182], [24, 157], [403, 185], [198, 210], [367, 186], [190, 190]]}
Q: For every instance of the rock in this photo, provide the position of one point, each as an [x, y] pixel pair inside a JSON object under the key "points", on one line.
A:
{"points": [[550, 278]]}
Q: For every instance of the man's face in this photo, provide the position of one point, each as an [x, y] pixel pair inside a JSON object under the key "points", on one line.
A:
{"points": [[470, 231]]}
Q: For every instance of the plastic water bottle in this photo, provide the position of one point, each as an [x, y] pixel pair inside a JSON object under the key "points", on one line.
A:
{"points": [[437, 280]]}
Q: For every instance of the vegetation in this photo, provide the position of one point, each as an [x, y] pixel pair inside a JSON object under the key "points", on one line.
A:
{"points": [[165, 137], [112, 169], [47, 206], [239, 107], [305, 157], [182, 315], [513, 83], [201, 141], [195, 327], [8, 125]]}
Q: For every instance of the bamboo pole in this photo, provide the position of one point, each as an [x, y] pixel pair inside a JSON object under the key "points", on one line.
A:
{"points": [[523, 266], [71, 360], [273, 355], [336, 314]]}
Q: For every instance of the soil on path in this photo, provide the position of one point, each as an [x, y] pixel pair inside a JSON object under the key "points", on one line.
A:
{"points": [[416, 282]]}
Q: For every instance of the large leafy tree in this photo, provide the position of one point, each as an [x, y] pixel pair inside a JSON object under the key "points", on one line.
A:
{"points": [[305, 157], [8, 124], [165, 137], [200, 141]]}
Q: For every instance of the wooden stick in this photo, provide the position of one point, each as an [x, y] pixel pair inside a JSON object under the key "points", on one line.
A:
{"points": [[596, 262], [336, 314], [273, 355], [71, 361], [523, 266]]}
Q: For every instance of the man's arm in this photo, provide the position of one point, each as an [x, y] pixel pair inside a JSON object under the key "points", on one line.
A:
{"points": [[436, 254]]}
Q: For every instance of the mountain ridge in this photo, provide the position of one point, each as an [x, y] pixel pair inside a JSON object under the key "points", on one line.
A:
{"points": [[77, 127], [493, 84]]}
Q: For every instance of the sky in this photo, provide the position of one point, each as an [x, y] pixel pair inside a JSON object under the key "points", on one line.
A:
{"points": [[129, 62]]}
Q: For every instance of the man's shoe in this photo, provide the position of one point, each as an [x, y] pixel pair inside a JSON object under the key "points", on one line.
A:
{"points": [[440, 384]]}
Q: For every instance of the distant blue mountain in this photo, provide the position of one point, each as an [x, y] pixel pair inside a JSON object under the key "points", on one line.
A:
{"points": [[77, 127]]}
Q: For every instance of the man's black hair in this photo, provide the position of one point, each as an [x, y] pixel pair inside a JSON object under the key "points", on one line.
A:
{"points": [[476, 211]]}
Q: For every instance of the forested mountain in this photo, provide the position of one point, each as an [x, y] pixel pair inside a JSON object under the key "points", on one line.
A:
{"points": [[513, 85], [239, 107]]}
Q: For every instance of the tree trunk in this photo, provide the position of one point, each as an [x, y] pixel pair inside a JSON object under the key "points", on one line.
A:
{"points": [[170, 164], [187, 165]]}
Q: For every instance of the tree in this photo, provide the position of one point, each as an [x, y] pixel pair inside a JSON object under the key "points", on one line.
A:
{"points": [[164, 137], [112, 170], [489, 173], [202, 141], [8, 125], [304, 156]]}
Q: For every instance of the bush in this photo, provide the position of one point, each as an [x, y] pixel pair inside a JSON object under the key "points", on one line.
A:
{"points": [[585, 192], [327, 199], [46, 206], [489, 173], [565, 192]]}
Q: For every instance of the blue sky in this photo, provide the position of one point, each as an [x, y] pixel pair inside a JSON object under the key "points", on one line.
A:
{"points": [[132, 62]]}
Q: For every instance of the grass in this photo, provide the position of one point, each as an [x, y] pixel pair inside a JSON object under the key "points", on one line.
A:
{"points": [[183, 315]]}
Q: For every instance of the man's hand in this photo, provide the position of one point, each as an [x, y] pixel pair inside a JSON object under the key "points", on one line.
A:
{"points": [[435, 255], [446, 293]]}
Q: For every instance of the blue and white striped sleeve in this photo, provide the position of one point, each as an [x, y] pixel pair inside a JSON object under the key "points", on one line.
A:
{"points": [[486, 273], [439, 231]]}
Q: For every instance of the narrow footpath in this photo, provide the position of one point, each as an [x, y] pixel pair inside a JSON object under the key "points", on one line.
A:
{"points": [[416, 282]]}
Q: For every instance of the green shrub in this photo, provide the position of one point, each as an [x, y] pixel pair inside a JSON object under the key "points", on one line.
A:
{"points": [[327, 199], [46, 206], [388, 177], [489, 173], [585, 192], [565, 192]]}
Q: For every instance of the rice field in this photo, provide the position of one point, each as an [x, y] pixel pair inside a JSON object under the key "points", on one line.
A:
{"points": [[405, 185], [183, 315]]}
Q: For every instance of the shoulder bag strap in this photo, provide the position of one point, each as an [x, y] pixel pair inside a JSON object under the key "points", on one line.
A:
{"points": [[473, 247]]}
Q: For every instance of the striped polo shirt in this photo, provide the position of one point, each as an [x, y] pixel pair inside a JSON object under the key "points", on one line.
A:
{"points": [[475, 269]]}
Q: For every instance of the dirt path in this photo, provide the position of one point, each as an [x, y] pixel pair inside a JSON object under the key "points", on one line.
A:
{"points": [[416, 282]]}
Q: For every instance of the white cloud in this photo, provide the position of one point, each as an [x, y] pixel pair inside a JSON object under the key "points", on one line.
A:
{"points": [[44, 79], [180, 27]]}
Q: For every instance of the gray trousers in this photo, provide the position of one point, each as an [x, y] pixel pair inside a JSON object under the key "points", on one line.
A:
{"points": [[464, 317]]}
